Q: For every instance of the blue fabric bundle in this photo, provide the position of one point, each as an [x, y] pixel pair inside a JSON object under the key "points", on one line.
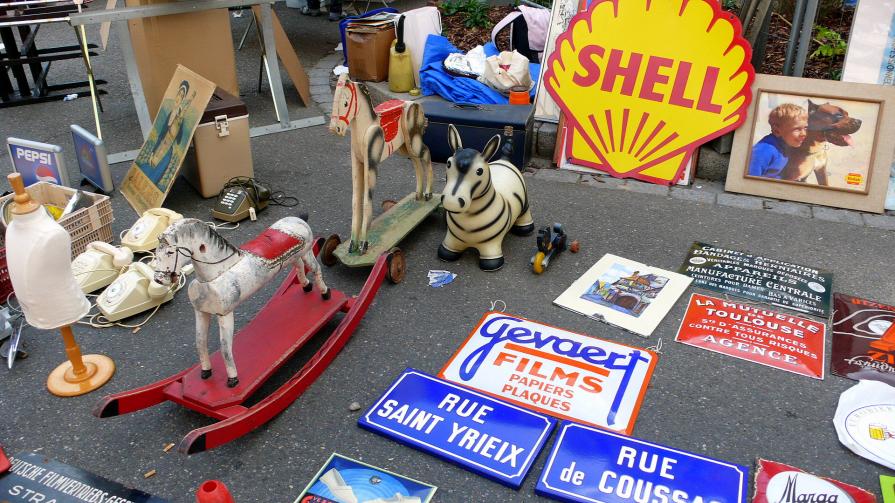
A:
{"points": [[435, 80]]}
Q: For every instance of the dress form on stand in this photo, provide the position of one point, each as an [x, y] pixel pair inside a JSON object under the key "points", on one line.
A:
{"points": [[38, 254]]}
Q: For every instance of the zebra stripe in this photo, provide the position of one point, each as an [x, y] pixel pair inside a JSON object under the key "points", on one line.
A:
{"points": [[504, 227]]}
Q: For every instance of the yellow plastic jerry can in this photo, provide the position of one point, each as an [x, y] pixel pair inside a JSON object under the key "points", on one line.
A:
{"points": [[400, 71]]}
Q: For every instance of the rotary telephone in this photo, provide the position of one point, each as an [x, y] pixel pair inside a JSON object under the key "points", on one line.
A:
{"points": [[100, 264], [143, 235], [240, 198], [135, 291]]}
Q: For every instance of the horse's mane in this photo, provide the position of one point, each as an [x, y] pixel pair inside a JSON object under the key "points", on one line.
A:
{"points": [[191, 228], [363, 89]]}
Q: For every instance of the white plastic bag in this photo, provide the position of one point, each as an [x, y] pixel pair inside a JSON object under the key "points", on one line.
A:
{"points": [[507, 71]]}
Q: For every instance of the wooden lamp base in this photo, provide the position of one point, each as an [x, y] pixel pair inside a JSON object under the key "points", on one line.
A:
{"points": [[80, 374], [64, 382]]}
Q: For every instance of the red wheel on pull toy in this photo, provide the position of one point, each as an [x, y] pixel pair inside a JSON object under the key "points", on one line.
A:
{"points": [[397, 266], [327, 254]]}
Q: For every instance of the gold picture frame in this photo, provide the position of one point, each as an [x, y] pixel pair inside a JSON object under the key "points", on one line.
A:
{"points": [[817, 152]]}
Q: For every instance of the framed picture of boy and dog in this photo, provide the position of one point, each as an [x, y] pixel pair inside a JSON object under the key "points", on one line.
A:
{"points": [[815, 141]]}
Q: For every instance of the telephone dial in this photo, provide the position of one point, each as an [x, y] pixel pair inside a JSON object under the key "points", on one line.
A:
{"points": [[239, 198], [143, 235], [135, 291], [100, 264]]}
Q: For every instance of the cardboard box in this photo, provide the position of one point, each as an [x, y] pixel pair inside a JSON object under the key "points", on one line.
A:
{"points": [[201, 41], [368, 51]]}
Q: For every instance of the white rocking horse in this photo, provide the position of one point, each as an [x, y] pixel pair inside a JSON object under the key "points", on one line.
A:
{"points": [[226, 275], [377, 133]]}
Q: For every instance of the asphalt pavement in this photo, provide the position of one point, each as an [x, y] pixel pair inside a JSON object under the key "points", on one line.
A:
{"points": [[698, 401]]}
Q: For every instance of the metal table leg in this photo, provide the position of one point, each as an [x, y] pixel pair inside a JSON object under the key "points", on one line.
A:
{"points": [[273, 65], [133, 77], [805, 38]]}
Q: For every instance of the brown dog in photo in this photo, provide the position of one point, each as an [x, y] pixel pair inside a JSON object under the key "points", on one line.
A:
{"points": [[827, 123]]}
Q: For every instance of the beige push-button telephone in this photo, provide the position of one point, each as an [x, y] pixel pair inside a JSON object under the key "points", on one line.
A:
{"points": [[143, 235], [99, 265]]}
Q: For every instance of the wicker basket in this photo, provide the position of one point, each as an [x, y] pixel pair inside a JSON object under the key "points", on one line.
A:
{"points": [[86, 225], [5, 282]]}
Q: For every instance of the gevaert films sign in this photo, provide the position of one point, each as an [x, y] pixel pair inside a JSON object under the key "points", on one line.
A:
{"points": [[554, 371], [592, 465], [643, 83], [492, 438]]}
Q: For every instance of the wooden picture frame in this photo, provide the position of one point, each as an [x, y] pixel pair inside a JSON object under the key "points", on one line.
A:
{"points": [[853, 175]]}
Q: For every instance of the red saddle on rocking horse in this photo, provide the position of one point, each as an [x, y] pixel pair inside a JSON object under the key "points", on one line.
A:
{"points": [[273, 245], [389, 113]]}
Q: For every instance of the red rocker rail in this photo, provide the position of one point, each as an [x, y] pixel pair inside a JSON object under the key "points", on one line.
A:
{"points": [[280, 329]]}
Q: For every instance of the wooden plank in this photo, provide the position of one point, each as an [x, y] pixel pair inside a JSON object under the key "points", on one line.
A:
{"points": [[388, 229], [263, 346], [289, 58]]}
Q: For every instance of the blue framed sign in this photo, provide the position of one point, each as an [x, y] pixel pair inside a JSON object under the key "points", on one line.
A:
{"points": [[92, 159], [37, 162], [598, 466], [489, 437]]}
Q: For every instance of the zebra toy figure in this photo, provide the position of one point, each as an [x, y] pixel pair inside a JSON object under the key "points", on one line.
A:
{"points": [[483, 202]]}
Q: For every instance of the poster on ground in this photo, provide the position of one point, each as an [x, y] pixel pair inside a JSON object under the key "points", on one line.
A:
{"points": [[755, 334], [590, 465], [780, 483], [35, 478], [155, 169], [624, 293], [863, 342], [560, 373], [346, 480], [759, 278], [490, 437]]}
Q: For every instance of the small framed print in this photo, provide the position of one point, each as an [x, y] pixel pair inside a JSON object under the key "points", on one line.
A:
{"points": [[36, 161], [815, 141], [92, 159]]}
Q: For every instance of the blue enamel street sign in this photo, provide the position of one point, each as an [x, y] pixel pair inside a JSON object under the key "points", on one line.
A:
{"points": [[492, 438], [591, 465]]}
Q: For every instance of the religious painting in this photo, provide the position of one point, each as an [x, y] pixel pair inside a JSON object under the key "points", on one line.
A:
{"points": [[152, 173]]}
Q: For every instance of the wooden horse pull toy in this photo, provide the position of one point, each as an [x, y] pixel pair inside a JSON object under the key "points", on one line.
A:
{"points": [[377, 133], [483, 202], [225, 277]]}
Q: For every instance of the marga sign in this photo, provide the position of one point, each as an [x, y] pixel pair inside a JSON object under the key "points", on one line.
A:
{"points": [[643, 83]]}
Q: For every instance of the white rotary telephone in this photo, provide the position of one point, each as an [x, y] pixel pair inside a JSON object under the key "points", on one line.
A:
{"points": [[143, 235], [135, 291], [99, 265]]}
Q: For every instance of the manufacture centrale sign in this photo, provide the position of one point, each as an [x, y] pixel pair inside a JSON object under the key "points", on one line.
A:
{"points": [[554, 371], [643, 83]]}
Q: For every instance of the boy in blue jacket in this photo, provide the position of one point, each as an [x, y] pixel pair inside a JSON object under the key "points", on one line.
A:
{"points": [[789, 128]]}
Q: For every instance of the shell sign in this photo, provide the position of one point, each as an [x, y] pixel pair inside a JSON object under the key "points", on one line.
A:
{"points": [[643, 83]]}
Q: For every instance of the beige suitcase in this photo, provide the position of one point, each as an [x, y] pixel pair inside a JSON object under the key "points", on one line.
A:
{"points": [[221, 147]]}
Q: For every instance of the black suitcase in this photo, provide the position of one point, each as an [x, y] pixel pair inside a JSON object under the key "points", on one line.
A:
{"points": [[477, 124]]}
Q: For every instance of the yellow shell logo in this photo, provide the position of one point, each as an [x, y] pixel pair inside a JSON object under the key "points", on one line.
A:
{"points": [[643, 83]]}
